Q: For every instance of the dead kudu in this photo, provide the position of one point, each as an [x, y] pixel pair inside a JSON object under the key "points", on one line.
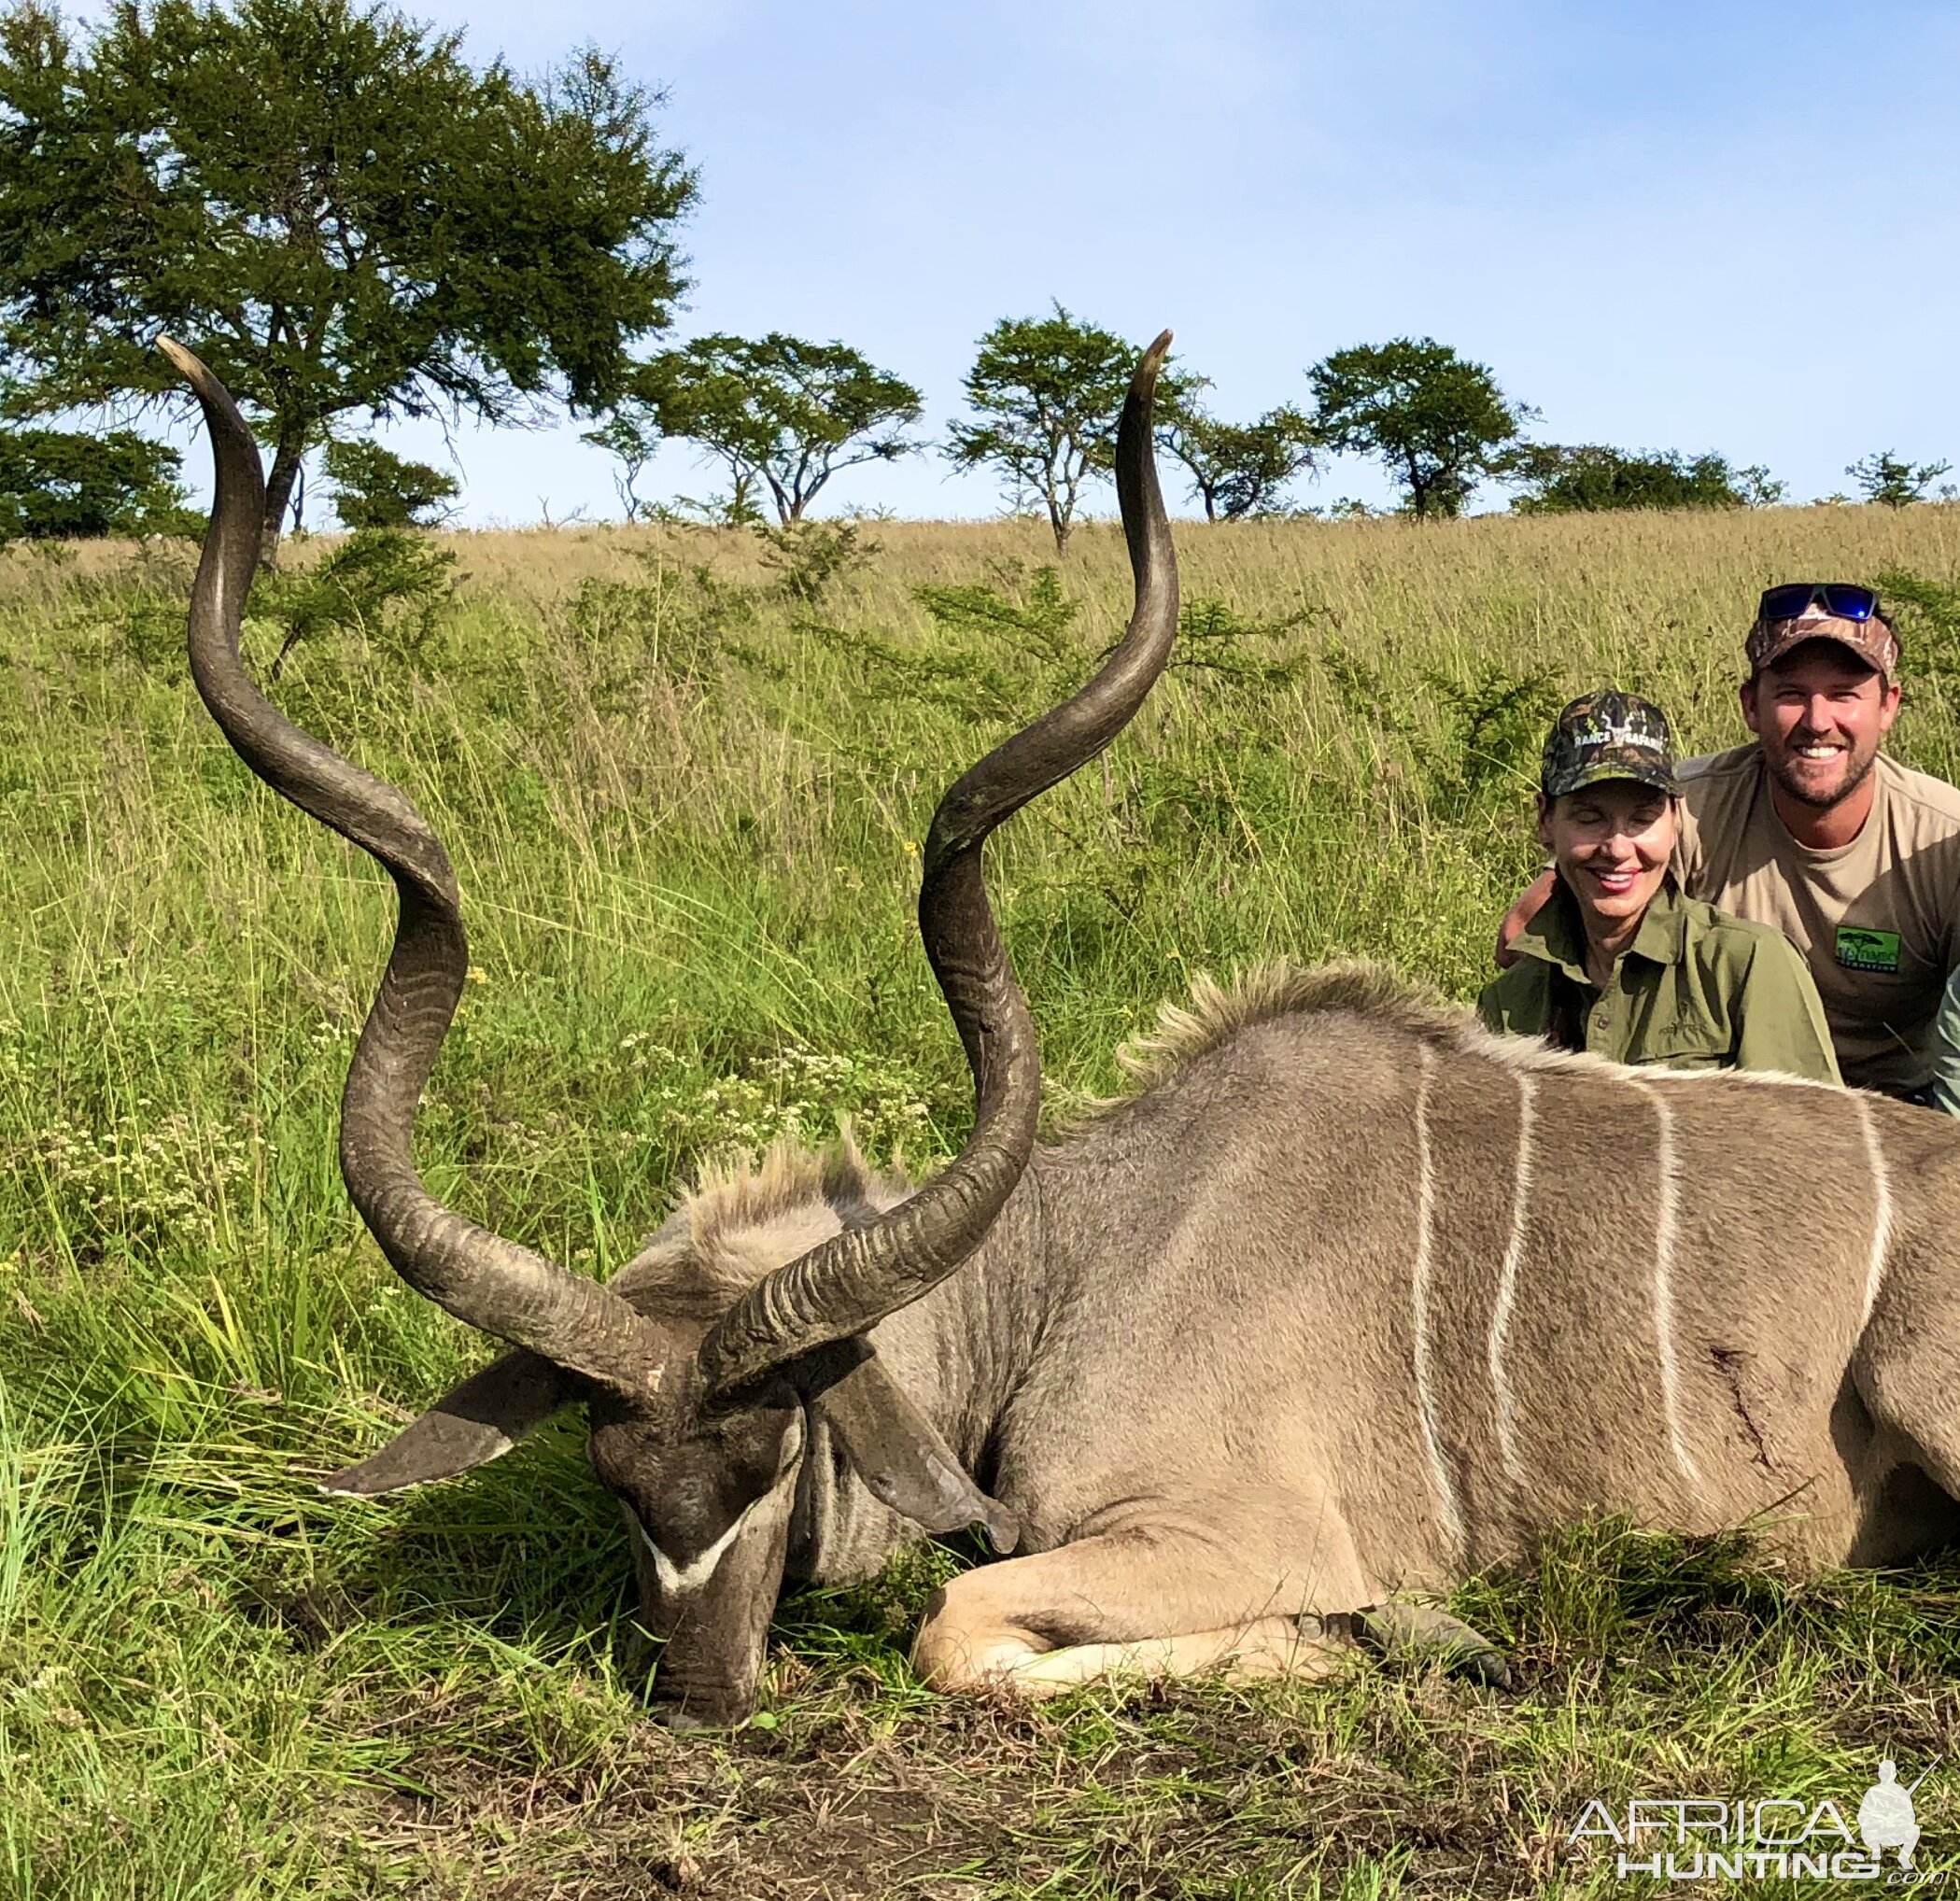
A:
{"points": [[1349, 1299]]}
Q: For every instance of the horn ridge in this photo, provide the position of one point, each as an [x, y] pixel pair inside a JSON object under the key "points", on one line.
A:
{"points": [[483, 1279], [849, 1282]]}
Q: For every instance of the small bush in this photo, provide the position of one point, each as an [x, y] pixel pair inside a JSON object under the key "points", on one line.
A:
{"points": [[812, 556], [55, 483], [1212, 640], [385, 583], [1496, 722], [376, 488], [995, 657], [680, 622], [1929, 626]]}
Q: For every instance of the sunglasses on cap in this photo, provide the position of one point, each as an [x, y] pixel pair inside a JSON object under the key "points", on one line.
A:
{"points": [[1840, 599]]}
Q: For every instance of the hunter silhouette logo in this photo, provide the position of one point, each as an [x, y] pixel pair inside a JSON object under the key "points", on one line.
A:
{"points": [[1886, 1817], [1776, 1837]]}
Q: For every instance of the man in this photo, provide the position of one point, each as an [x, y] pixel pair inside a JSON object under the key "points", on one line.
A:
{"points": [[1813, 830]]}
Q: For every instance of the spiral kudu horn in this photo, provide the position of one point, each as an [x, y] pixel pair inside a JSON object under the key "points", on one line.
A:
{"points": [[853, 1280], [483, 1279]]}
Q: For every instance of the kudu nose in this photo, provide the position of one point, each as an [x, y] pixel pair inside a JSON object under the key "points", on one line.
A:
{"points": [[689, 1712]]}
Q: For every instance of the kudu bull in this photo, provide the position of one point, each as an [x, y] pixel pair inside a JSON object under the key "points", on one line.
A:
{"points": [[1351, 1298]]}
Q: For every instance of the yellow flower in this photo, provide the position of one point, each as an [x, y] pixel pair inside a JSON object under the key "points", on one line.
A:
{"points": [[478, 974]]}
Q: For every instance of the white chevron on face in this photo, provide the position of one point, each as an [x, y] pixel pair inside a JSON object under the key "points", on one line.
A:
{"points": [[678, 1580]]}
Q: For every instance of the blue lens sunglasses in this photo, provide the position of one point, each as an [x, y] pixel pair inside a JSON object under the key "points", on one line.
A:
{"points": [[1840, 598]]}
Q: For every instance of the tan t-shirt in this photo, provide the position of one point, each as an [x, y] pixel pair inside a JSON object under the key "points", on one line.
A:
{"points": [[1877, 920]]}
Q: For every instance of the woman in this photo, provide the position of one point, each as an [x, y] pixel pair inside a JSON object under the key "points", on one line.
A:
{"points": [[1619, 961]]}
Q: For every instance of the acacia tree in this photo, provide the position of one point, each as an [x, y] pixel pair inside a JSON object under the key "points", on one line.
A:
{"points": [[779, 412], [56, 482], [1437, 421], [1586, 478], [1049, 391], [338, 212], [1238, 468], [376, 488], [1892, 482]]}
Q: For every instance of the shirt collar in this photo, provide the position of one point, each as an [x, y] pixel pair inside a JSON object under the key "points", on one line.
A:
{"points": [[1663, 932], [1556, 936]]}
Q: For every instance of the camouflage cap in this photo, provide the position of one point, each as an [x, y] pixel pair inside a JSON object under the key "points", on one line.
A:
{"points": [[1609, 735], [1871, 641]]}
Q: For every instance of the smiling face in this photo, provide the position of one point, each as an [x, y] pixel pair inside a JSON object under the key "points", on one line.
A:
{"points": [[1821, 714], [1612, 841]]}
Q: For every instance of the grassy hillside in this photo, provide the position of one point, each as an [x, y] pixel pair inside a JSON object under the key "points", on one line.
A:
{"points": [[684, 806]]}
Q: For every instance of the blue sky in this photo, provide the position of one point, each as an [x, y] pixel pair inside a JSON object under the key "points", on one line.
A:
{"points": [[1703, 226]]}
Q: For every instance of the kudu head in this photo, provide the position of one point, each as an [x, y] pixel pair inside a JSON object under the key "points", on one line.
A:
{"points": [[701, 1402]]}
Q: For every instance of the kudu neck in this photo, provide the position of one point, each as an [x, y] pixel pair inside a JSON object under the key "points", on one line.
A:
{"points": [[960, 1353]]}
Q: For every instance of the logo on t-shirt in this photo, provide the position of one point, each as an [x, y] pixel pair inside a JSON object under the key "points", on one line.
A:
{"points": [[1859, 949]]}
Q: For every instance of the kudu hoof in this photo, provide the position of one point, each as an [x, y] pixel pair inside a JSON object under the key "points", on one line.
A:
{"points": [[689, 1715], [683, 1721], [1420, 1633]]}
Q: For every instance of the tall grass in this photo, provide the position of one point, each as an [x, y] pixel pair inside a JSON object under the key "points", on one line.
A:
{"points": [[685, 806]]}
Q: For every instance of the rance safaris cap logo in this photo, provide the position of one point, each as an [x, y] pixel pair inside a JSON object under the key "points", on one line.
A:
{"points": [[1764, 1838], [1604, 736]]}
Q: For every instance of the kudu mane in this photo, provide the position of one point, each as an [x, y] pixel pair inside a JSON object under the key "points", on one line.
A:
{"points": [[1276, 987], [706, 1251], [714, 1245], [1217, 1012]]}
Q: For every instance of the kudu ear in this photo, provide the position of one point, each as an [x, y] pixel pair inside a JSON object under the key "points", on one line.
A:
{"points": [[894, 1448], [478, 1421]]}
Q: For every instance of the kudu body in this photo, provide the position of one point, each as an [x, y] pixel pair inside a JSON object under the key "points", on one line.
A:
{"points": [[1350, 1301], [1357, 1299]]}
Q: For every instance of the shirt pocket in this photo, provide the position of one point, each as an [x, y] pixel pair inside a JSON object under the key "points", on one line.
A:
{"points": [[1684, 1045]]}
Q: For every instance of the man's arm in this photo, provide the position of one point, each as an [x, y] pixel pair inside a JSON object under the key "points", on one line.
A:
{"points": [[1530, 901], [1690, 867], [1945, 1087]]}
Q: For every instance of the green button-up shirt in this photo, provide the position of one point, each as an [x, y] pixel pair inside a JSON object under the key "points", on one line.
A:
{"points": [[1697, 990]]}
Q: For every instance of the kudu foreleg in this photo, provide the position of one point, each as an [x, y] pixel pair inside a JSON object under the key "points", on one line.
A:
{"points": [[1134, 1602], [1265, 1647]]}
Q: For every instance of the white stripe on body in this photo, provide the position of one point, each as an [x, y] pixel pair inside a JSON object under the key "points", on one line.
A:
{"points": [[1880, 1212], [1507, 1281], [1419, 1300], [1665, 1224]]}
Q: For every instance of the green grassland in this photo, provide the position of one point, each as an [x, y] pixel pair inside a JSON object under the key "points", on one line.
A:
{"points": [[685, 800]]}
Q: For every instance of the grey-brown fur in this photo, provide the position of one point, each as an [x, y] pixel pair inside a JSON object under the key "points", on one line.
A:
{"points": [[1187, 1345]]}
